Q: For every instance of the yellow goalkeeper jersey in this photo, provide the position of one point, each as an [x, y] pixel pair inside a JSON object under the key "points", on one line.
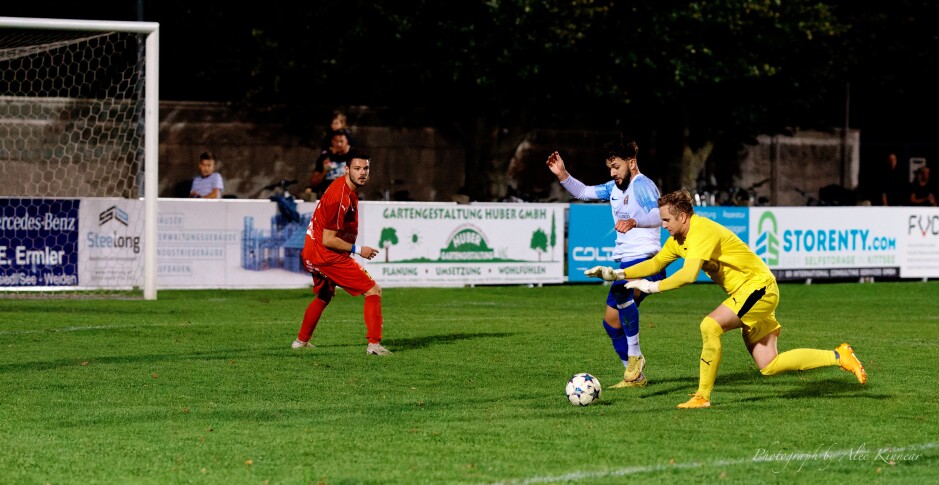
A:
{"points": [[728, 261]]}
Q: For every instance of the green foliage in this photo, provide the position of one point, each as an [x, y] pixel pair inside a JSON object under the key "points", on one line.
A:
{"points": [[389, 237], [539, 241], [677, 75], [202, 387]]}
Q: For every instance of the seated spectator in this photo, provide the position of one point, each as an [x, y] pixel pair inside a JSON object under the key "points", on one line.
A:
{"points": [[208, 185], [922, 192]]}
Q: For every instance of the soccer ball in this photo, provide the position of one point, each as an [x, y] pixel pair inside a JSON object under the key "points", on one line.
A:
{"points": [[583, 389]]}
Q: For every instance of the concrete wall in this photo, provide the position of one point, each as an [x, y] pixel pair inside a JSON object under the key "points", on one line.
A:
{"points": [[806, 161], [428, 166], [251, 156]]}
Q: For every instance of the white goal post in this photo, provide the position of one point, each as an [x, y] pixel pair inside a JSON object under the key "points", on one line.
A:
{"points": [[79, 148]]}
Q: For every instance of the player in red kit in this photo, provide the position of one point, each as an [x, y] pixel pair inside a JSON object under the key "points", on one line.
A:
{"points": [[327, 254]]}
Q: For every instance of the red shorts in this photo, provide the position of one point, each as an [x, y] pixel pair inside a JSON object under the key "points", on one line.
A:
{"points": [[346, 274]]}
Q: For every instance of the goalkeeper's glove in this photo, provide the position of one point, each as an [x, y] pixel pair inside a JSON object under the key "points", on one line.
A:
{"points": [[605, 272], [644, 286]]}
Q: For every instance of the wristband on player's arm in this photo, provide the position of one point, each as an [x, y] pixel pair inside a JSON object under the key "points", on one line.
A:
{"points": [[356, 250]]}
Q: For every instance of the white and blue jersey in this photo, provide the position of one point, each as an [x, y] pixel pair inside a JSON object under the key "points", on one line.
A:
{"points": [[639, 201]]}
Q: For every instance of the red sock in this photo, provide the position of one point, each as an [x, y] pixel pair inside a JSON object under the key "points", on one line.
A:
{"points": [[373, 319], [310, 318]]}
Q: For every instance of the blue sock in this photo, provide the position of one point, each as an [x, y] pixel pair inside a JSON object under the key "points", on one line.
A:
{"points": [[629, 319], [620, 345], [621, 299]]}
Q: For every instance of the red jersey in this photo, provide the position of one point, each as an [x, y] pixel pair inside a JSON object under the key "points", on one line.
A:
{"points": [[337, 210]]}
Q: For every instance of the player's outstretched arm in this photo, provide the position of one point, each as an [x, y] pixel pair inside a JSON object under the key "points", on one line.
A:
{"points": [[684, 276], [644, 286], [605, 272]]}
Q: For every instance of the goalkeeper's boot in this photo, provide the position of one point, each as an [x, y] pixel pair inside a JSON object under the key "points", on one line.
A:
{"points": [[299, 344], [640, 382], [634, 367], [376, 349], [696, 401], [849, 362]]}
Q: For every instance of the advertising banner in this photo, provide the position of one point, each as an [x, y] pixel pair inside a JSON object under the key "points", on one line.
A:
{"points": [[98, 242], [110, 249], [592, 237], [590, 240], [224, 243], [85, 243], [919, 229], [39, 242], [428, 244], [829, 242]]}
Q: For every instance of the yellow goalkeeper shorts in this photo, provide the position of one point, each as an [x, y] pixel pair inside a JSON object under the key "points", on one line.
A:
{"points": [[755, 304]]}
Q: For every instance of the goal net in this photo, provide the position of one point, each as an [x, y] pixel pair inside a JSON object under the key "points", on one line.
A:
{"points": [[78, 157]]}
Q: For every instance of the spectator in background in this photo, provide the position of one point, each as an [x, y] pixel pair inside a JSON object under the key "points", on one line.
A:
{"points": [[331, 163], [922, 192], [338, 123], [895, 184], [209, 184]]}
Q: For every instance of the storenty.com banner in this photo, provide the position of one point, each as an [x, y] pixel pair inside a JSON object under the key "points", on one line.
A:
{"points": [[828, 242], [455, 245]]}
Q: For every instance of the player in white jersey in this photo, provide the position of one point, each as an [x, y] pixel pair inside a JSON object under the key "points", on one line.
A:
{"points": [[634, 202]]}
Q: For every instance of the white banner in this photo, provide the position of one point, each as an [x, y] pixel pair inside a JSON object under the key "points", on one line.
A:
{"points": [[225, 243], [919, 229], [846, 242], [110, 243], [428, 244]]}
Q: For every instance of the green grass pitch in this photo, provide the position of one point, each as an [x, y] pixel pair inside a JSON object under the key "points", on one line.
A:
{"points": [[202, 387]]}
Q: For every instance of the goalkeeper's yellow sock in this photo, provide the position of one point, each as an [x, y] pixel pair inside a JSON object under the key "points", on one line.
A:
{"points": [[799, 359], [710, 356]]}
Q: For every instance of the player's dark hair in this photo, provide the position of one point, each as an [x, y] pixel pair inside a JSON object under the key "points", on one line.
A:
{"points": [[356, 153], [680, 202], [620, 147], [206, 156]]}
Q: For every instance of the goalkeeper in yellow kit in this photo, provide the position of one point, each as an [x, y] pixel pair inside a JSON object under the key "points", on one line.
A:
{"points": [[752, 290]]}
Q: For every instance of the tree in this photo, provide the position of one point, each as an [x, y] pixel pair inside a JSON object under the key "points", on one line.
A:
{"points": [[389, 237], [675, 74], [709, 72], [483, 72], [684, 78], [539, 242], [554, 236]]}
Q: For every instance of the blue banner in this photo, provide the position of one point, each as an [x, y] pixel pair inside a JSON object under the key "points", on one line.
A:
{"points": [[591, 237], [39, 242], [590, 240]]}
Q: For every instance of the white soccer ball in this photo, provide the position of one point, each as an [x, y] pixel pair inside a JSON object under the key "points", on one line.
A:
{"points": [[583, 389]]}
